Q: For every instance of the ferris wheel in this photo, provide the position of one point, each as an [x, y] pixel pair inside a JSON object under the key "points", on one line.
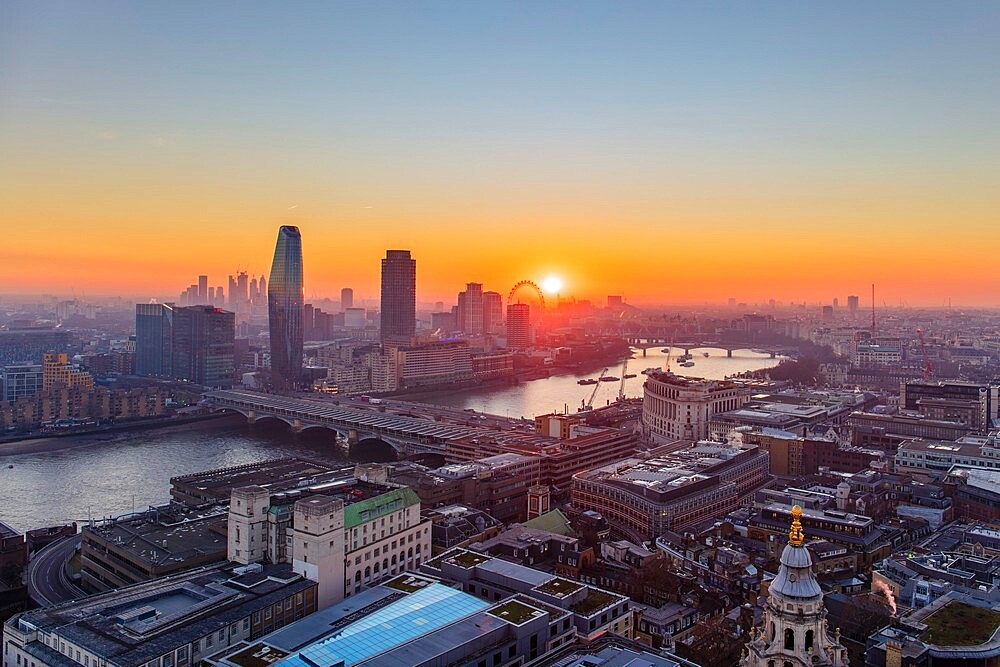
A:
{"points": [[531, 286]]}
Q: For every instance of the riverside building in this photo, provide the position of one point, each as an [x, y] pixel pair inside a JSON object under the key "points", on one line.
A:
{"points": [[681, 408]]}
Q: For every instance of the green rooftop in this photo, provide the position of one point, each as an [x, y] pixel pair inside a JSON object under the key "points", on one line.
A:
{"points": [[559, 586], [595, 601], [468, 559], [408, 583], [363, 511], [552, 522], [514, 612], [960, 624]]}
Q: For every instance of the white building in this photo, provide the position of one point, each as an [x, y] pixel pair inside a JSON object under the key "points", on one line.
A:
{"points": [[344, 535], [680, 408]]}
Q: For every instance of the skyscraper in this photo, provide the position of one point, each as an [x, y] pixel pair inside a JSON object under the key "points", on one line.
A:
{"points": [[470, 310], [154, 339], [204, 345], [202, 290], [346, 298], [492, 312], [284, 309], [399, 296], [518, 326]]}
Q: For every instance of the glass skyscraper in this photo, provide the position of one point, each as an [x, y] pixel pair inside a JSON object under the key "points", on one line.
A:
{"points": [[284, 309], [399, 296], [154, 339]]}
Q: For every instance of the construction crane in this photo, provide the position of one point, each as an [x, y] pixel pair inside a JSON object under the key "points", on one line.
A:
{"points": [[928, 368], [590, 401], [621, 386]]}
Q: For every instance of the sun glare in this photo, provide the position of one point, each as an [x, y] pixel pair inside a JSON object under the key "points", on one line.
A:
{"points": [[552, 285]]}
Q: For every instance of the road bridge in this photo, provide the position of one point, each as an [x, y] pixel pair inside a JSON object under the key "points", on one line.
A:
{"points": [[730, 347], [405, 434]]}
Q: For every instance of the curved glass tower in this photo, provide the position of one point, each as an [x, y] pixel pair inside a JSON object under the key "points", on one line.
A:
{"points": [[284, 309]]}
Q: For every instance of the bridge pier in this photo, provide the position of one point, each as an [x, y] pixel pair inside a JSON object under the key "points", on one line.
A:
{"points": [[251, 417], [352, 438], [296, 426], [729, 353], [644, 352], [773, 354]]}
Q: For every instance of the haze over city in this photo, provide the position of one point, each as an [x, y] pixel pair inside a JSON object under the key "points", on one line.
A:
{"points": [[667, 152], [434, 333]]}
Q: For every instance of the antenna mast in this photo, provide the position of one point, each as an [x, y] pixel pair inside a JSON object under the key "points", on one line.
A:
{"points": [[874, 330]]}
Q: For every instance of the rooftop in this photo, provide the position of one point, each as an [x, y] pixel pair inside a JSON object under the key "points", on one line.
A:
{"points": [[960, 624]]}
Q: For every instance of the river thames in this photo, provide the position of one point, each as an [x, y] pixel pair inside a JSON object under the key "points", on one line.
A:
{"points": [[116, 473]]}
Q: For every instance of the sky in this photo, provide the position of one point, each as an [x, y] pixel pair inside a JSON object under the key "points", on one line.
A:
{"points": [[668, 152]]}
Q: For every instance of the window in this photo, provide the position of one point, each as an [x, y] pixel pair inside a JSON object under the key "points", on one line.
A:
{"points": [[809, 639], [789, 640], [246, 623]]}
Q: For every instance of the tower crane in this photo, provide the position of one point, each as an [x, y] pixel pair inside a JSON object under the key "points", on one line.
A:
{"points": [[621, 387], [589, 405], [928, 368]]}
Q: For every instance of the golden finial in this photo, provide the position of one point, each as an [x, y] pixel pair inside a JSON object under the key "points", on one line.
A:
{"points": [[795, 535]]}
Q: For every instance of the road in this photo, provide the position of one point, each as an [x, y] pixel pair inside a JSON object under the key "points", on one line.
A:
{"points": [[48, 583]]}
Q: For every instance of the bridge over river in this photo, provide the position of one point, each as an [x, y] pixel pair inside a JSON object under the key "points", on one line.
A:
{"points": [[406, 434]]}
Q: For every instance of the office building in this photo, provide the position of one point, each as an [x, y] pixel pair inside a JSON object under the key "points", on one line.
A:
{"points": [[204, 340], [21, 380], [852, 305], [284, 309], [492, 313], [615, 302], [154, 339], [642, 499], [57, 372], [681, 408], [344, 534], [203, 290], [440, 362], [418, 621], [794, 630], [346, 298], [469, 316], [30, 344], [179, 620], [519, 334], [399, 297]]}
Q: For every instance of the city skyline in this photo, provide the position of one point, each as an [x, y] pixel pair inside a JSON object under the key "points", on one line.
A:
{"points": [[673, 154]]}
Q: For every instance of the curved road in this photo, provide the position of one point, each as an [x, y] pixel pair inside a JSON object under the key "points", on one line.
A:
{"points": [[48, 583]]}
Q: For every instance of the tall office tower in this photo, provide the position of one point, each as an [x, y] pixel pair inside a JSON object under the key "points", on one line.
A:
{"points": [[470, 309], [308, 322], [204, 343], [254, 294], [284, 309], [243, 287], [518, 326], [852, 304], [262, 287], [399, 296], [836, 303], [203, 290], [154, 338], [346, 299], [211, 296], [492, 312], [232, 293], [220, 297]]}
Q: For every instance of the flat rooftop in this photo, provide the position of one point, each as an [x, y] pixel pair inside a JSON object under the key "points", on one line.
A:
{"points": [[274, 475], [159, 539]]}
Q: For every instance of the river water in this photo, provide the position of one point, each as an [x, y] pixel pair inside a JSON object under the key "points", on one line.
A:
{"points": [[113, 475]]}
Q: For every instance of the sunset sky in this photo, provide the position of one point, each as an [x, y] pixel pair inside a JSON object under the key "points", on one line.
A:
{"points": [[670, 152]]}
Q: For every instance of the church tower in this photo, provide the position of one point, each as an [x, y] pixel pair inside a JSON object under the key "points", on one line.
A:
{"points": [[795, 632]]}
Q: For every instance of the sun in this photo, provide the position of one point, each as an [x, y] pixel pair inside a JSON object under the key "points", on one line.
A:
{"points": [[552, 284]]}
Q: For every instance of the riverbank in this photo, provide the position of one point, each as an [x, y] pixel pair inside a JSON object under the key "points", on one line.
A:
{"points": [[34, 444]]}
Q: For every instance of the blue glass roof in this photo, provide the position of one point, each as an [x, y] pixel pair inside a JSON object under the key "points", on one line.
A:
{"points": [[421, 612]]}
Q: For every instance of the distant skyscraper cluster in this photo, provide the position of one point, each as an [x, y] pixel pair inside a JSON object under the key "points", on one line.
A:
{"points": [[200, 294], [285, 309], [399, 296]]}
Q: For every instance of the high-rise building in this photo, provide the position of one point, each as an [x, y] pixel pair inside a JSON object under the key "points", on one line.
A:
{"points": [[154, 339], [284, 309], [204, 341], [399, 296], [202, 290], [470, 309], [346, 298], [794, 630], [492, 312], [852, 304], [615, 302], [518, 326]]}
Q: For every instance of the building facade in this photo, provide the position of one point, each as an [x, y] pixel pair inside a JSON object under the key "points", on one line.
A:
{"points": [[399, 296], [204, 341], [284, 309], [681, 408]]}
